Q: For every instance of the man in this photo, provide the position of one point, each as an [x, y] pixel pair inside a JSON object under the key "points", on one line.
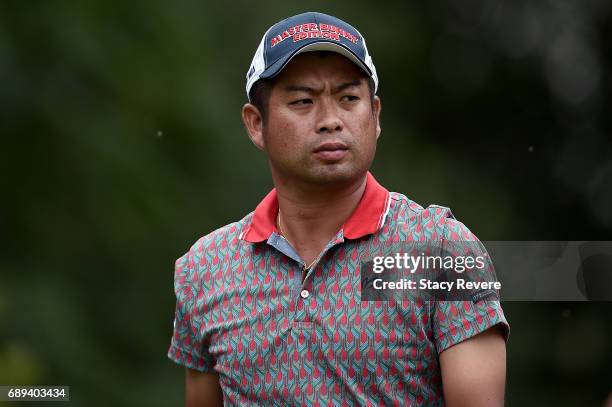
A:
{"points": [[269, 308]]}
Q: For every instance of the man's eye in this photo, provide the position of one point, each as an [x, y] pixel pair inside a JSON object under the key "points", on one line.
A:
{"points": [[350, 98], [301, 102]]}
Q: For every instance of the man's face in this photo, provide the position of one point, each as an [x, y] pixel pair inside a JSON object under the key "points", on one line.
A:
{"points": [[321, 127]]}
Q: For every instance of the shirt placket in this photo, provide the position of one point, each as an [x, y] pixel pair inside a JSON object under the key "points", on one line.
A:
{"points": [[303, 291]]}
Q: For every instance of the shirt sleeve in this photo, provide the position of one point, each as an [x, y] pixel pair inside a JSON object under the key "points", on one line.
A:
{"points": [[456, 321], [187, 347]]}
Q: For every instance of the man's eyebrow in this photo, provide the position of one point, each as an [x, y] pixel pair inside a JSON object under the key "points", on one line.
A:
{"points": [[336, 89], [299, 88], [346, 85]]}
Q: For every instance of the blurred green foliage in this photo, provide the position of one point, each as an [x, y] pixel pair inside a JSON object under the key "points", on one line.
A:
{"points": [[122, 144]]}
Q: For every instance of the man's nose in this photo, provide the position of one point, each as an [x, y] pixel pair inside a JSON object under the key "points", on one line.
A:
{"points": [[328, 118]]}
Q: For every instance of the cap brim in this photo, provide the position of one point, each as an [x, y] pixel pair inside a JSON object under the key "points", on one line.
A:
{"points": [[320, 45]]}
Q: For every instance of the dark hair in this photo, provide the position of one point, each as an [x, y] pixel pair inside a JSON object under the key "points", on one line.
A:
{"points": [[259, 95]]}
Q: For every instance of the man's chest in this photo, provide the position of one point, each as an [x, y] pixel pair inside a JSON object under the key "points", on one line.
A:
{"points": [[268, 327]]}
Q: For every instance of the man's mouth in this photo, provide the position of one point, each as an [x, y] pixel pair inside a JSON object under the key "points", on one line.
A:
{"points": [[331, 151]]}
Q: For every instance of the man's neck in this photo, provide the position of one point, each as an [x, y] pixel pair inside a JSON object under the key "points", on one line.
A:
{"points": [[309, 219]]}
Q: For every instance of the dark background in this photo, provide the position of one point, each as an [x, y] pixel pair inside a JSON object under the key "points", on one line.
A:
{"points": [[122, 144]]}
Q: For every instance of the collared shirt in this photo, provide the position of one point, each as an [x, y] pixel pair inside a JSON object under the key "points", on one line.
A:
{"points": [[244, 311]]}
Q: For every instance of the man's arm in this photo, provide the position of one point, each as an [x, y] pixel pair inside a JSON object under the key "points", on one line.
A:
{"points": [[474, 371], [202, 389]]}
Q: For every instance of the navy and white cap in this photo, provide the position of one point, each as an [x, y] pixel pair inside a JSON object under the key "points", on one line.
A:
{"points": [[308, 32]]}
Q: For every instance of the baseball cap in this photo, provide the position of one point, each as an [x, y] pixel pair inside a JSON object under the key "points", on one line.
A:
{"points": [[306, 32]]}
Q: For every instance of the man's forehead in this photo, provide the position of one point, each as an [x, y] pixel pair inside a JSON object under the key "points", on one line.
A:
{"points": [[319, 86], [314, 69]]}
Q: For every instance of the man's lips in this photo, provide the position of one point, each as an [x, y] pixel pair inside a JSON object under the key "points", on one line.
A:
{"points": [[331, 146], [331, 151]]}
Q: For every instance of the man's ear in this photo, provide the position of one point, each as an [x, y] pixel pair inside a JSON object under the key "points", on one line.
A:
{"points": [[253, 121], [377, 107]]}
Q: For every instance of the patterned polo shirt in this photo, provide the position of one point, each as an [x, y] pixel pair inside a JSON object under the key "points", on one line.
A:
{"points": [[243, 311]]}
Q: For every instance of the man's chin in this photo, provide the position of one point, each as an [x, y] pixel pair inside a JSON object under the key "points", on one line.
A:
{"points": [[334, 174]]}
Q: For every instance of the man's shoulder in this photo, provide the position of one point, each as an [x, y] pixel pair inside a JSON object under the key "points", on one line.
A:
{"points": [[433, 220], [405, 209], [206, 255], [223, 238]]}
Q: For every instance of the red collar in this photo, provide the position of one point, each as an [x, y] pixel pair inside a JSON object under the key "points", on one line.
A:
{"points": [[367, 218]]}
